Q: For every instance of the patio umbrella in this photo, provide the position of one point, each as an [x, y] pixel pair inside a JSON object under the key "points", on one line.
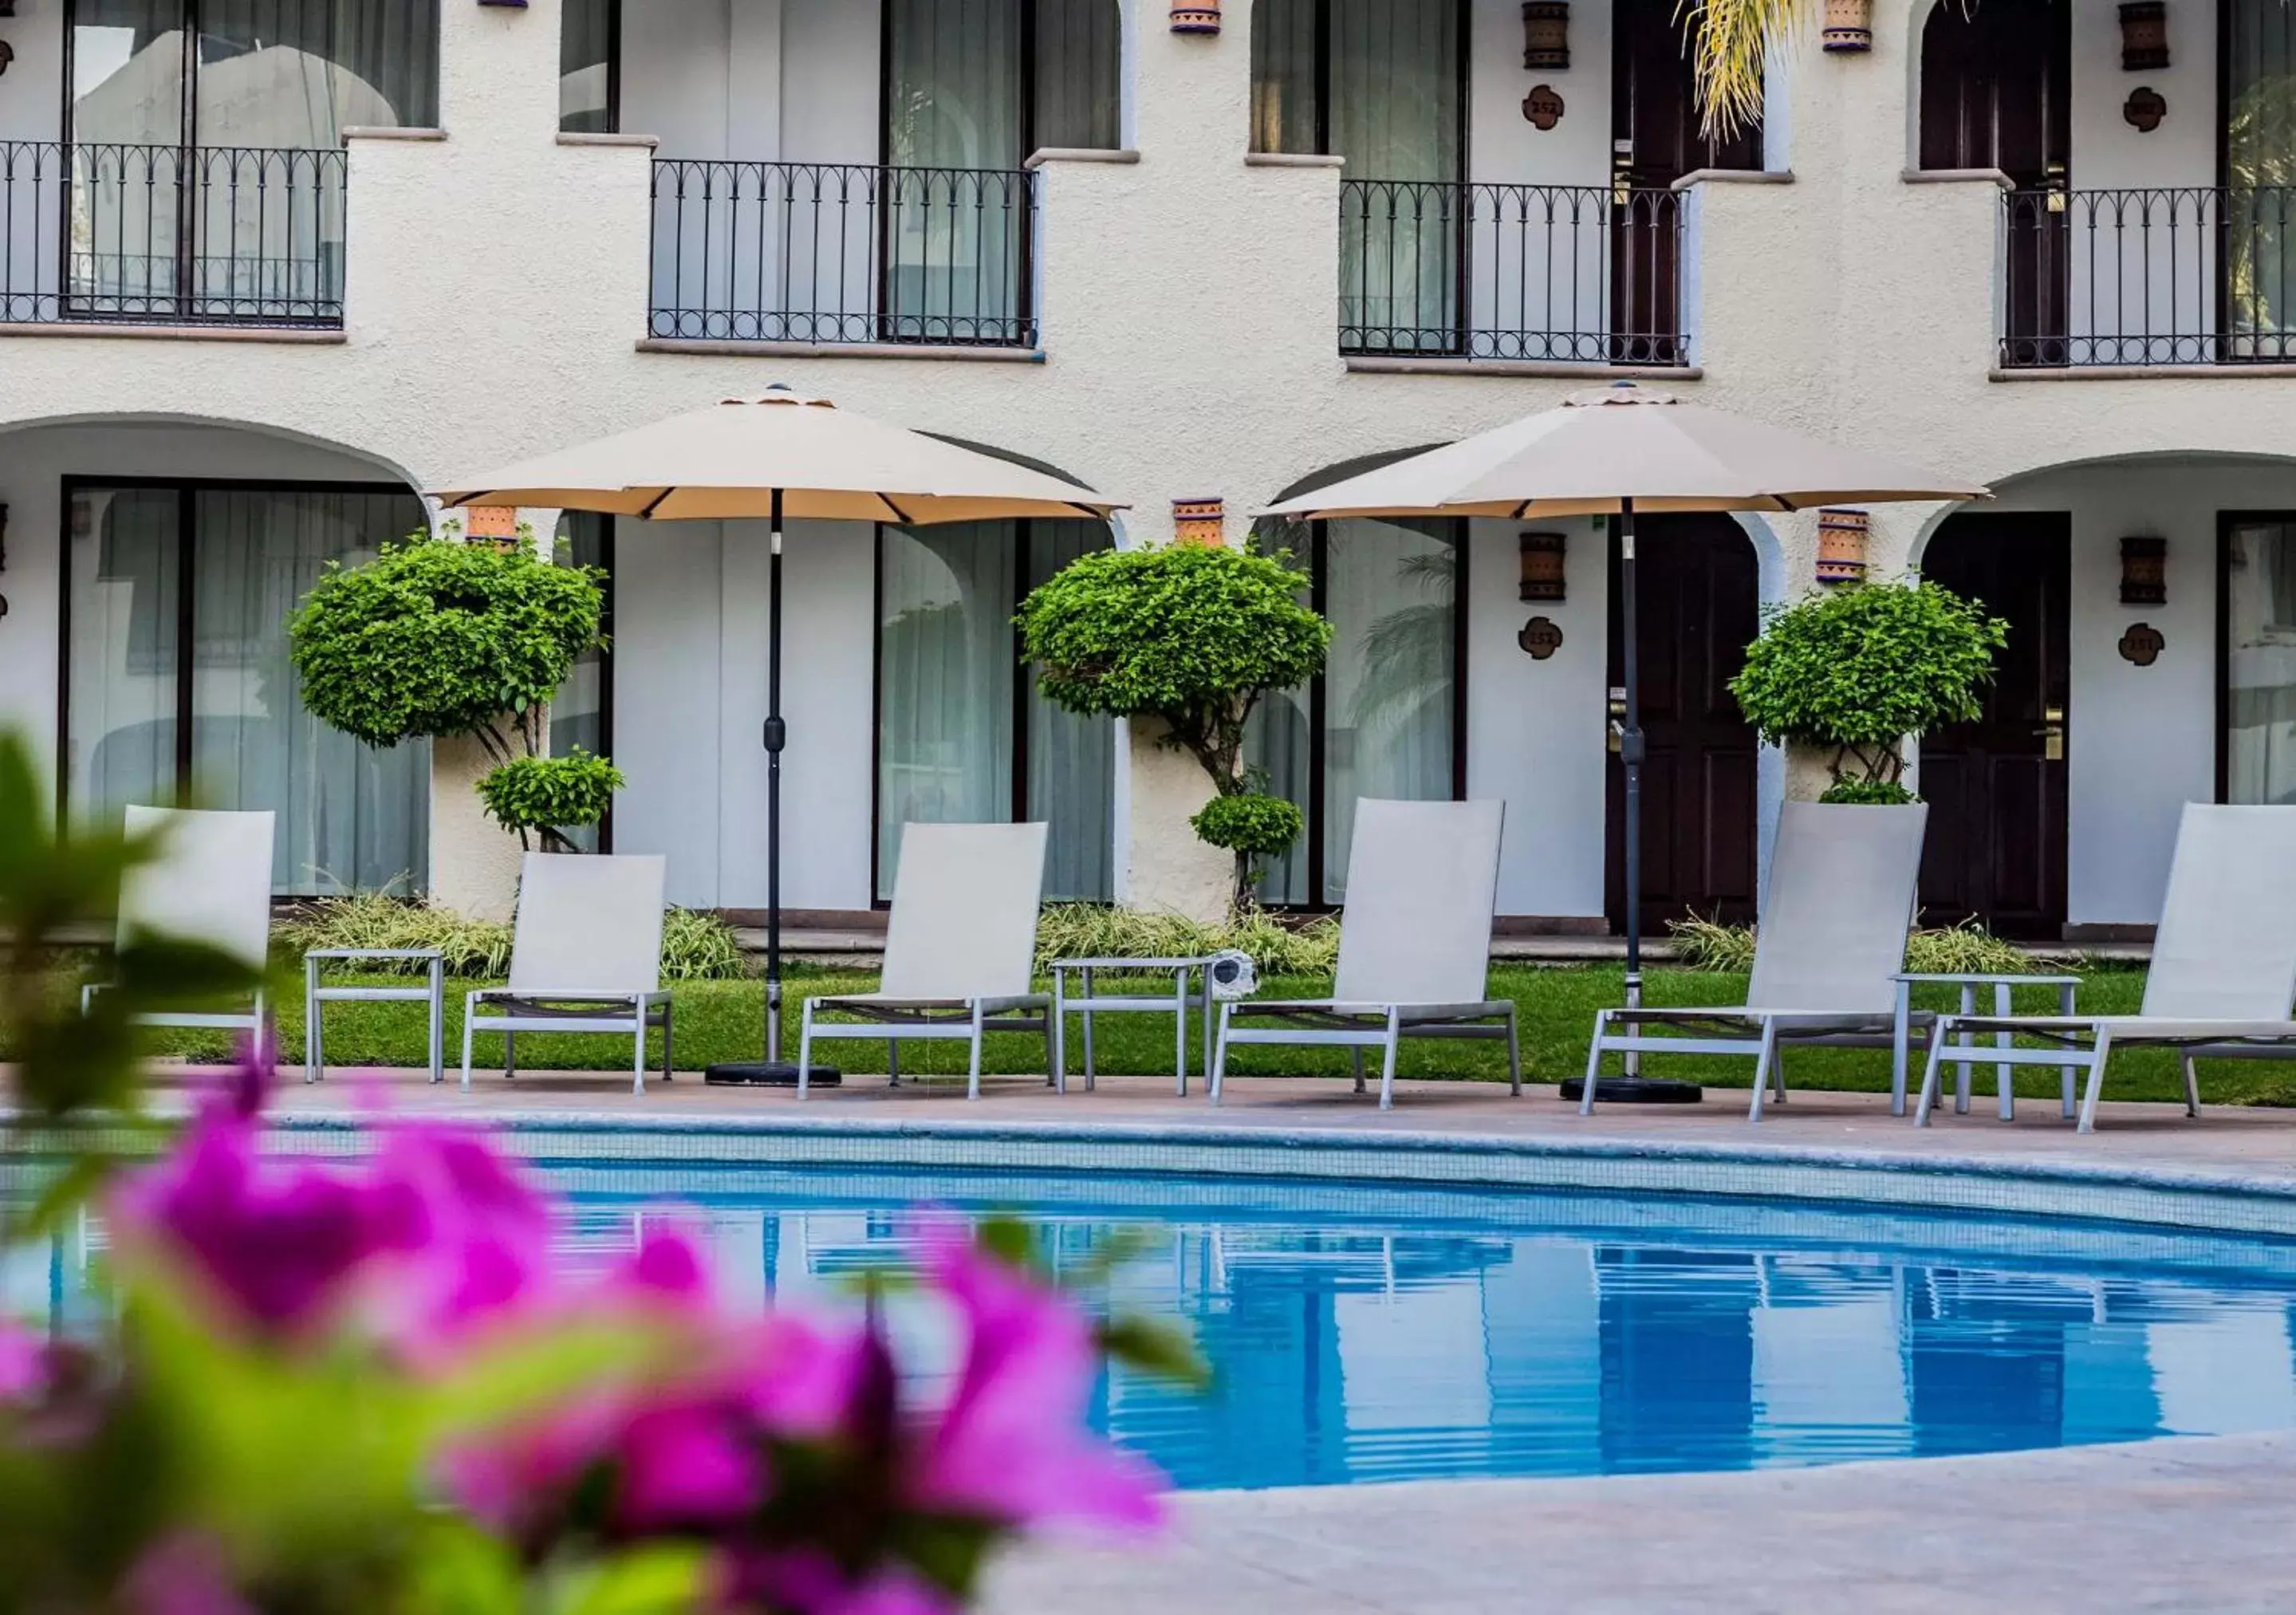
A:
{"points": [[1620, 451], [780, 456]]}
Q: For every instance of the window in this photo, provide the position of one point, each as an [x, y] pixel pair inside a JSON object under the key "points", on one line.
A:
{"points": [[178, 685], [962, 737], [583, 714], [1387, 719], [589, 67], [1382, 83], [2258, 616]]}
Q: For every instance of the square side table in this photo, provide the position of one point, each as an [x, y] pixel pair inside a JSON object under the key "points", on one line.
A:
{"points": [[1091, 1003], [433, 993]]}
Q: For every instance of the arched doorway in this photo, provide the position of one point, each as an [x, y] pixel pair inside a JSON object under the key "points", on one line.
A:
{"points": [[1698, 601], [175, 551]]}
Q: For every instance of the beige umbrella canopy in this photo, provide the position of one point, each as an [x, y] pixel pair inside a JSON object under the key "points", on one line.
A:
{"points": [[1614, 448], [1621, 451], [780, 456], [784, 455]]}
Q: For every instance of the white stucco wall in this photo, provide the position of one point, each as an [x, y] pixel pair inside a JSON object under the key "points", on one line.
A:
{"points": [[497, 296]]}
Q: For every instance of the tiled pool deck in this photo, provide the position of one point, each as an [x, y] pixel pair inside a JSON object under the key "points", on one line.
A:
{"points": [[2197, 1525]]}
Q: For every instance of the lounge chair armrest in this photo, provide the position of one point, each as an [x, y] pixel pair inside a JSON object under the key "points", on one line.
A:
{"points": [[1975, 979]]}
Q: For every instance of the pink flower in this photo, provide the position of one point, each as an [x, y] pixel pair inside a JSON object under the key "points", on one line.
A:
{"points": [[808, 1582], [183, 1575], [470, 1236], [687, 1463], [277, 1245], [667, 1274], [23, 1363], [1011, 1445]]}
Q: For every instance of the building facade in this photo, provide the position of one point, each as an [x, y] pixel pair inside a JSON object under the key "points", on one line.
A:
{"points": [[269, 268]]}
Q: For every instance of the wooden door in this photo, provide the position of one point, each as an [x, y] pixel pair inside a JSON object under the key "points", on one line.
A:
{"points": [[1995, 94], [1996, 787], [1698, 591], [1655, 142]]}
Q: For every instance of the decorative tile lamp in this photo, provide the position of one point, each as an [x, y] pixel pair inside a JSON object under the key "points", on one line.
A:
{"points": [[1203, 522], [1201, 19], [1848, 26], [2145, 36], [2145, 571], [1547, 36], [1841, 536], [1544, 558]]}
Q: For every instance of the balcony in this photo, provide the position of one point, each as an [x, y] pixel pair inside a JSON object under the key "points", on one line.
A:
{"points": [[843, 254], [229, 236], [2183, 275], [1568, 274]]}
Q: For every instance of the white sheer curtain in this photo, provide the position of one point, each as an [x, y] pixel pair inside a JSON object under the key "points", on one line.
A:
{"points": [[579, 716], [944, 671], [2260, 169], [955, 207], [1071, 759], [121, 681], [1390, 593], [349, 818], [2260, 670]]}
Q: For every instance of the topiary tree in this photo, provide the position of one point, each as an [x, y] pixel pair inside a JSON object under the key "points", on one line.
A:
{"points": [[1194, 634], [1858, 670], [436, 639]]}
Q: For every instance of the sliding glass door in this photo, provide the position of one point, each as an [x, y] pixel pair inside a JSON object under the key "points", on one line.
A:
{"points": [[2260, 172], [1382, 83], [962, 737], [207, 136], [2259, 571], [1387, 719], [973, 89], [179, 686]]}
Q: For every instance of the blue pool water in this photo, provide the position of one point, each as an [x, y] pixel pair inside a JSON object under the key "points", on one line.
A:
{"points": [[1359, 1335]]}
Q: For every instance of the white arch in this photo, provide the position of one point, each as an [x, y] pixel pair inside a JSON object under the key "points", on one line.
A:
{"points": [[394, 470]]}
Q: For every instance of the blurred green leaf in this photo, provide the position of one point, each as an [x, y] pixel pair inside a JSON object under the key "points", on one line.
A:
{"points": [[1155, 1346]]}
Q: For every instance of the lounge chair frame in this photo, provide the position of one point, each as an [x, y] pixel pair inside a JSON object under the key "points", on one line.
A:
{"points": [[1422, 885], [211, 883]]}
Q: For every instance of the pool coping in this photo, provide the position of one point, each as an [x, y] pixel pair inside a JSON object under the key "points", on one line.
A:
{"points": [[2122, 1191]]}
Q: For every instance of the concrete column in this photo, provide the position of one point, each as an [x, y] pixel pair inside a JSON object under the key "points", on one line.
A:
{"points": [[1167, 867], [474, 862]]}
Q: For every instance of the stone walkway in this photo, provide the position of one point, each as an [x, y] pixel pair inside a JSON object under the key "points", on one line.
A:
{"points": [[2250, 1143], [2182, 1525]]}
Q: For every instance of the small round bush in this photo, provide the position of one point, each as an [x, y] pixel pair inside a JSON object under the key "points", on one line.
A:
{"points": [[1856, 671], [547, 794], [434, 639], [1251, 825], [1869, 793]]}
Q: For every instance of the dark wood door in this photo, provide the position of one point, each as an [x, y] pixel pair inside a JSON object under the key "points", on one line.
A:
{"points": [[1995, 94], [1655, 141], [1996, 787], [1698, 590]]}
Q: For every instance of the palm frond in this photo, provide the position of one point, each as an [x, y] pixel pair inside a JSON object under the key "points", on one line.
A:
{"points": [[1729, 46]]}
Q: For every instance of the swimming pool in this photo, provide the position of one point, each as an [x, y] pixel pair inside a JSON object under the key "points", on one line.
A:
{"points": [[1360, 1334]]}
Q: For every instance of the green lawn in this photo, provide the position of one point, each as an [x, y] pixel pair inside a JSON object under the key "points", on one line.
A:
{"points": [[720, 1021]]}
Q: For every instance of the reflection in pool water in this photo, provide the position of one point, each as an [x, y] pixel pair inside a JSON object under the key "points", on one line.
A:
{"points": [[1356, 1338]]}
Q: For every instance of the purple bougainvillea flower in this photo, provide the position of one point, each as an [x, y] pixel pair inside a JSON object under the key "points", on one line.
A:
{"points": [[247, 1090], [183, 1575], [471, 1237], [1011, 1445], [808, 1582], [278, 1245], [23, 1363], [667, 1273], [687, 1463]]}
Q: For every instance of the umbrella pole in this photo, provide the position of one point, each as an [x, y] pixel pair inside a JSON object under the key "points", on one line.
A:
{"points": [[774, 1072], [1633, 1087]]}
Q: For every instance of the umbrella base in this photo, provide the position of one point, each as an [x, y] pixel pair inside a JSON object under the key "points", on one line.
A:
{"points": [[757, 1074], [1636, 1090]]}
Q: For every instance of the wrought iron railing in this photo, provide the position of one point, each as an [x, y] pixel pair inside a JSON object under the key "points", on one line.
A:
{"points": [[176, 235], [2178, 276], [840, 253], [1587, 274]]}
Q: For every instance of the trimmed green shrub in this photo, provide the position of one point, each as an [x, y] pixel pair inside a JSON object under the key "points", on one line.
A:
{"points": [[1192, 635], [1252, 826], [1868, 794], [1858, 670], [435, 640], [547, 793], [1966, 949]]}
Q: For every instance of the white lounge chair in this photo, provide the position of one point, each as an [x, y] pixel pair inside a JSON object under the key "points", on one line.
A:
{"points": [[586, 958], [1414, 944], [959, 949], [2223, 978], [211, 883], [1826, 957]]}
